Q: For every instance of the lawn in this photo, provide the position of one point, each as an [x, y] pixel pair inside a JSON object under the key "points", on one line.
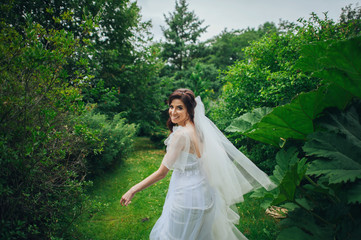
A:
{"points": [[112, 221]]}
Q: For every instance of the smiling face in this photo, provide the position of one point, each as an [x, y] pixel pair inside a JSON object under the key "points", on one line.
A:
{"points": [[178, 112]]}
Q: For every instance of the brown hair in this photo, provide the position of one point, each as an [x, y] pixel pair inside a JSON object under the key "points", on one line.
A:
{"points": [[188, 98]]}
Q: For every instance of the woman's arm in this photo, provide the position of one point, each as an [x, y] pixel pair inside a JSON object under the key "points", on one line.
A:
{"points": [[151, 179]]}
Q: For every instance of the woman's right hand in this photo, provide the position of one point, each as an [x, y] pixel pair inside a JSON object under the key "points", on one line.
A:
{"points": [[153, 178], [127, 197]]}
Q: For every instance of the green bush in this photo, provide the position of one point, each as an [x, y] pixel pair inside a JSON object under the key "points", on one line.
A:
{"points": [[158, 136], [42, 163], [114, 137]]}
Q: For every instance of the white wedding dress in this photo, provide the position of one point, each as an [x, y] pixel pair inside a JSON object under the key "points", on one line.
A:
{"points": [[209, 177], [188, 209], [192, 208]]}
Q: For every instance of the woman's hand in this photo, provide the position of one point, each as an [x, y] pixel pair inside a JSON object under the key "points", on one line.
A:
{"points": [[153, 178], [127, 197]]}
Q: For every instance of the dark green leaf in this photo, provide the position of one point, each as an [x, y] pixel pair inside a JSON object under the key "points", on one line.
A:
{"points": [[337, 62], [304, 225], [338, 149], [354, 193], [288, 174], [294, 233], [293, 120], [284, 159], [290, 181], [246, 121]]}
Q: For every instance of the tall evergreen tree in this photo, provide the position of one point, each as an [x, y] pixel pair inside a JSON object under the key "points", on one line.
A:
{"points": [[183, 30]]}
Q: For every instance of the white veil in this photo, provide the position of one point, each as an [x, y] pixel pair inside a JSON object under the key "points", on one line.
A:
{"points": [[229, 172]]}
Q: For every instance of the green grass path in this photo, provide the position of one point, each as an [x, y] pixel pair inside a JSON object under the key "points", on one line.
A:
{"points": [[136, 220]]}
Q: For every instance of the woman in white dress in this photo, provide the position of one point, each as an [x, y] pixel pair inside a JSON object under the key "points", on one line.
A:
{"points": [[209, 177]]}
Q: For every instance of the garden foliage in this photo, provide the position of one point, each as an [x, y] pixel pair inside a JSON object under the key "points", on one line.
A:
{"points": [[41, 159], [114, 136], [318, 177], [43, 148], [269, 76], [338, 65], [78, 79]]}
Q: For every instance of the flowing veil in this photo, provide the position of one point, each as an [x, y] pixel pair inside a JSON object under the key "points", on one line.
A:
{"points": [[229, 172]]}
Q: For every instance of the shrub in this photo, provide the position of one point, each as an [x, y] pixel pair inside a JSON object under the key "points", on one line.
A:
{"points": [[42, 166], [114, 139]]}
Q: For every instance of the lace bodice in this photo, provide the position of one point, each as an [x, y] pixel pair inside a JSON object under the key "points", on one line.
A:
{"points": [[192, 167]]}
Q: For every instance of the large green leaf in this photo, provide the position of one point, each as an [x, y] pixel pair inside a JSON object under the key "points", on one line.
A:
{"points": [[295, 120], [336, 62], [347, 124], [288, 174], [247, 120], [338, 148], [302, 225], [339, 65], [320, 188], [290, 181], [284, 160]]}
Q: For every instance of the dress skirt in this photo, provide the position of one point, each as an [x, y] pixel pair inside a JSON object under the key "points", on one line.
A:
{"points": [[188, 211]]}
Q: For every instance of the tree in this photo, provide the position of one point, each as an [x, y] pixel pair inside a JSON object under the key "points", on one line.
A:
{"points": [[122, 64], [47, 142], [76, 17], [42, 165], [127, 70], [268, 77], [227, 47], [184, 29], [50, 14]]}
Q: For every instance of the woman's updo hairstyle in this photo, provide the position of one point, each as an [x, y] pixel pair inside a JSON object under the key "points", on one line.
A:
{"points": [[188, 98]]}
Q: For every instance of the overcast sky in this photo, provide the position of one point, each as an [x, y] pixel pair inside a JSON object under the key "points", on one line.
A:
{"points": [[240, 14]]}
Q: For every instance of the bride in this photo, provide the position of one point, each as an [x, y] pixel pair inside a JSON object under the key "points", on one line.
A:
{"points": [[209, 176]]}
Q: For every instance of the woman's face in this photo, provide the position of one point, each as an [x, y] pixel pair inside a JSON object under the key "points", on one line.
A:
{"points": [[178, 112]]}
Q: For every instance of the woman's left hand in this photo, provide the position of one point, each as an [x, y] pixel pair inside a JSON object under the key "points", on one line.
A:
{"points": [[127, 197]]}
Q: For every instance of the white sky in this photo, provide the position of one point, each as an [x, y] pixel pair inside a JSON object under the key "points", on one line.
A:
{"points": [[240, 14]]}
